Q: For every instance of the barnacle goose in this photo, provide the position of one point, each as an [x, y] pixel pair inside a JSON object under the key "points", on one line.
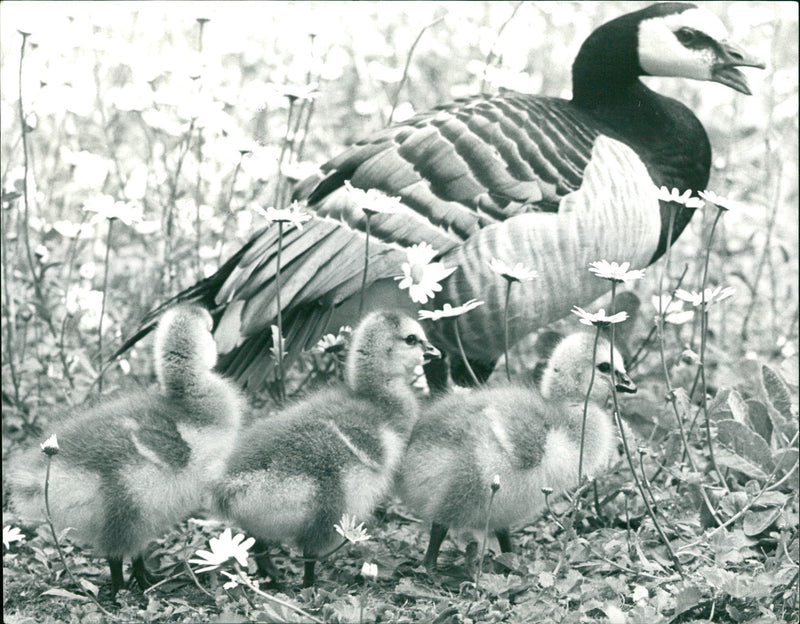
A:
{"points": [[294, 474], [528, 439], [551, 183], [130, 467]]}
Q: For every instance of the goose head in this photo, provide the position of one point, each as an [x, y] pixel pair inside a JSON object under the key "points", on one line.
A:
{"points": [[675, 39], [385, 347], [184, 341], [568, 371]]}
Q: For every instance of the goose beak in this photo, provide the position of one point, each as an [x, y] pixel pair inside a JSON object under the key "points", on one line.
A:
{"points": [[430, 352], [729, 57], [624, 383]]}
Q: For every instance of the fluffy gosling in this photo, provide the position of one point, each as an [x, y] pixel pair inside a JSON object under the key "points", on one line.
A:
{"points": [[529, 439], [130, 467], [294, 474]]}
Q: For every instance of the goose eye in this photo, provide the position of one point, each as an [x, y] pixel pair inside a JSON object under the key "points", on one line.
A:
{"points": [[411, 340], [604, 367], [688, 37]]}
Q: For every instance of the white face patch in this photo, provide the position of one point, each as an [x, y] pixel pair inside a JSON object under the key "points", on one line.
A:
{"points": [[661, 54]]}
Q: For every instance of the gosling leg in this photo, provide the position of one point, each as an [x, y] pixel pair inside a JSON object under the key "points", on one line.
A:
{"points": [[308, 574], [438, 533], [504, 537], [143, 577], [117, 580]]}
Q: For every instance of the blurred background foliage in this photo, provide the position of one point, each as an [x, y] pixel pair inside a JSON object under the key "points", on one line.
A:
{"points": [[175, 115]]}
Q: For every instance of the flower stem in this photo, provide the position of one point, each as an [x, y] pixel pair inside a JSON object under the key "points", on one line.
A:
{"points": [[703, 336], [279, 350], [625, 446], [464, 355], [366, 266], [483, 542], [103, 307], [58, 544], [246, 581], [662, 351], [586, 406], [505, 330]]}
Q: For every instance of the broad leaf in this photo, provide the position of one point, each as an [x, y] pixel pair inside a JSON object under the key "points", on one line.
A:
{"points": [[759, 420], [63, 593], [756, 522], [777, 392], [749, 452]]}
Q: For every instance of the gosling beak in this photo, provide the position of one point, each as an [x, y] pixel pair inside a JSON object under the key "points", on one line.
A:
{"points": [[729, 57], [624, 383], [430, 352]]}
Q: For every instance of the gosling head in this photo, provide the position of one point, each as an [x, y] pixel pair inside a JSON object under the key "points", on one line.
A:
{"points": [[183, 342], [569, 369], [385, 347]]}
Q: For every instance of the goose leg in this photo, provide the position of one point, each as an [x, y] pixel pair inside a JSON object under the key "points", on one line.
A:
{"points": [[438, 533], [504, 537], [117, 580]]}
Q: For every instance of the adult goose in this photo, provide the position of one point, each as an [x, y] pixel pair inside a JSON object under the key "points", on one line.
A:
{"points": [[551, 183]]}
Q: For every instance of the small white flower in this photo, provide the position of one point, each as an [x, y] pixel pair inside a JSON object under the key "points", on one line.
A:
{"points": [[12, 534], [223, 548], [615, 272], [674, 195], [707, 297], [50, 445], [720, 202], [105, 207], [599, 318], [293, 214], [373, 201], [348, 529], [369, 570], [517, 273], [42, 253], [420, 275], [333, 344], [298, 91], [496, 483], [673, 310], [448, 311], [233, 582]]}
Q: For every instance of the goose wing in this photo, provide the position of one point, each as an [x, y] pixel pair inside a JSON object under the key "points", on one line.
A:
{"points": [[471, 172]]}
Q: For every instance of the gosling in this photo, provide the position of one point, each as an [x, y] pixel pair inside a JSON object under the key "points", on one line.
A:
{"points": [[294, 474], [530, 440], [130, 467]]}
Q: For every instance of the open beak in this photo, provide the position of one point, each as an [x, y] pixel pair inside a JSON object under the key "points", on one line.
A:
{"points": [[430, 352], [624, 383], [729, 57]]}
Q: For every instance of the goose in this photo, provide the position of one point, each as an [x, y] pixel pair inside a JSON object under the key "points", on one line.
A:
{"points": [[295, 474], [528, 439], [130, 467], [551, 183]]}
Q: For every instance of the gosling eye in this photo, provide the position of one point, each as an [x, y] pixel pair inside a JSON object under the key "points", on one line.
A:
{"points": [[604, 367], [411, 340]]}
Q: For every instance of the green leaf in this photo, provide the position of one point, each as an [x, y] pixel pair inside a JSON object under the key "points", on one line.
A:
{"points": [[63, 593], [756, 522], [787, 461], [777, 392], [758, 416], [749, 452]]}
